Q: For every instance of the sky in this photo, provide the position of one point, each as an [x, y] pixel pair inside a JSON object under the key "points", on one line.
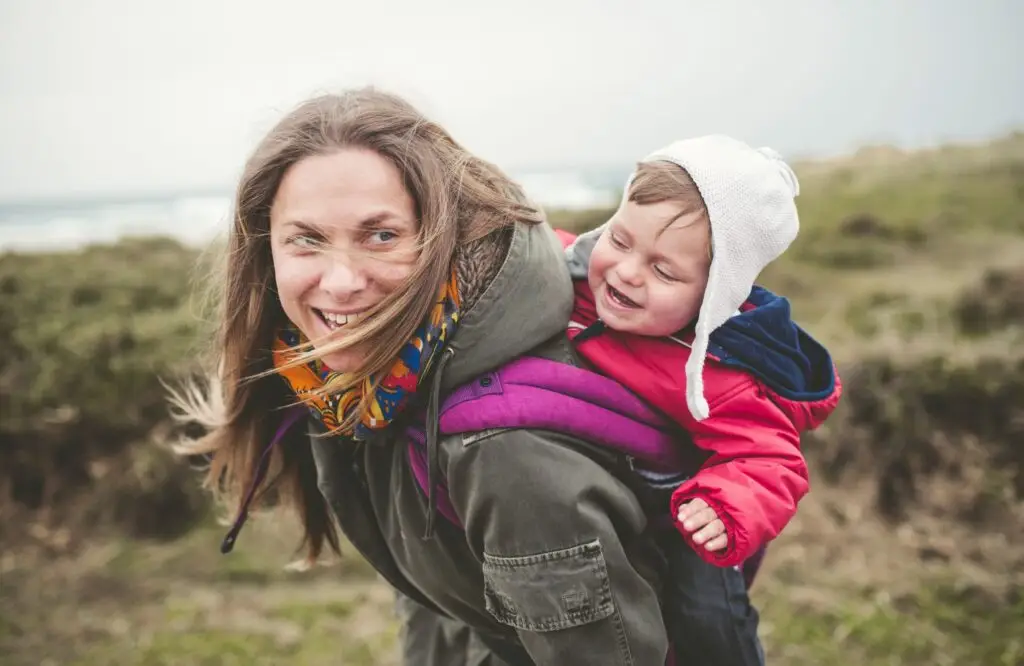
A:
{"points": [[102, 97]]}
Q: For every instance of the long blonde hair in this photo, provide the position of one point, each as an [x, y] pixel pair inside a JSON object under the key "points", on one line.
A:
{"points": [[459, 199]]}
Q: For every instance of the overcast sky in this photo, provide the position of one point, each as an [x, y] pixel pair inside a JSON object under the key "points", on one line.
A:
{"points": [[127, 96]]}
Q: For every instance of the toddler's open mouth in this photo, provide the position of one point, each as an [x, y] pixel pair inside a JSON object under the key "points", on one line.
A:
{"points": [[620, 298]]}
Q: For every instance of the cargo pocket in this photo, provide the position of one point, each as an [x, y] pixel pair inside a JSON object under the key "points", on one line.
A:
{"points": [[549, 591]]}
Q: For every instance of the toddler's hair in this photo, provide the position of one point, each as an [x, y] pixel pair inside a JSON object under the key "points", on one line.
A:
{"points": [[655, 182], [659, 181]]}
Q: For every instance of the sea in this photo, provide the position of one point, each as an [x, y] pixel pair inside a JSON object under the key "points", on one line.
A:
{"points": [[197, 217]]}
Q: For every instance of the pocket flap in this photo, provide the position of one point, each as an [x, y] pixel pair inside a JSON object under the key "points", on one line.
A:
{"points": [[549, 591]]}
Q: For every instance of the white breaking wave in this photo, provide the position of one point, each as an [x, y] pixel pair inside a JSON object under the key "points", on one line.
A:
{"points": [[193, 220]]}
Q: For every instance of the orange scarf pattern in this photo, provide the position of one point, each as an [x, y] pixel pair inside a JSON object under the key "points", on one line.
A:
{"points": [[396, 387]]}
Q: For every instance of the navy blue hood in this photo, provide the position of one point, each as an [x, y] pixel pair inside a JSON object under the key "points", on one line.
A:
{"points": [[765, 342]]}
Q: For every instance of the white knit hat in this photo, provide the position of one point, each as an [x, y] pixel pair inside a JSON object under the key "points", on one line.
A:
{"points": [[749, 196]]}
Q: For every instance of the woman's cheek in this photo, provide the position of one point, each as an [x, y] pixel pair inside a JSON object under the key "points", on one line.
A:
{"points": [[391, 271]]}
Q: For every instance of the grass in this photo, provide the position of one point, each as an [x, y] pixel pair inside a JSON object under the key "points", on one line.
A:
{"points": [[123, 601], [909, 549], [135, 604], [935, 626]]}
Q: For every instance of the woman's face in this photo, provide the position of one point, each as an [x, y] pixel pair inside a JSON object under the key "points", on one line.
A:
{"points": [[343, 234]]}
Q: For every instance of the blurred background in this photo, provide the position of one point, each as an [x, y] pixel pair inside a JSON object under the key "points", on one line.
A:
{"points": [[124, 124]]}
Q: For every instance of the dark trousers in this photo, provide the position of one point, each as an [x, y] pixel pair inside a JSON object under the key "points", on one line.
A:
{"points": [[707, 610]]}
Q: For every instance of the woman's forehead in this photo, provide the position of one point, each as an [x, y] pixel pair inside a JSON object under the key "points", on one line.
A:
{"points": [[351, 188]]}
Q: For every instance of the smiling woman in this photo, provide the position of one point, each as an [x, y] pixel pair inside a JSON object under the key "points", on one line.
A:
{"points": [[344, 235], [375, 268]]}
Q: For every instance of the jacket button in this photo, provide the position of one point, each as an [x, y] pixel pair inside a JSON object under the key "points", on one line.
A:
{"points": [[485, 382]]}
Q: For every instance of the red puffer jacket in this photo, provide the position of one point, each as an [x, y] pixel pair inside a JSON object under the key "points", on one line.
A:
{"points": [[765, 380]]}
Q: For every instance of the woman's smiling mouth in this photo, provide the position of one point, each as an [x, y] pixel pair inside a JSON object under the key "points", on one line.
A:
{"points": [[335, 320]]}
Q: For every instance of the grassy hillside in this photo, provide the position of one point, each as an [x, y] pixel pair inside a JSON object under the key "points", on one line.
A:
{"points": [[909, 550]]}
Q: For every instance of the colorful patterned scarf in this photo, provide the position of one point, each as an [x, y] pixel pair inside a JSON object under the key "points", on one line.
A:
{"points": [[394, 389]]}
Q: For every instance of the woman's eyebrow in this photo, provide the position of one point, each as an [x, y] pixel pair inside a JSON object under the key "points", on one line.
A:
{"points": [[383, 218], [306, 226], [375, 221]]}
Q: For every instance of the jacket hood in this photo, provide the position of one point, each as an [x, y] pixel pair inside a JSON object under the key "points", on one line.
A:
{"points": [[764, 341], [528, 301]]}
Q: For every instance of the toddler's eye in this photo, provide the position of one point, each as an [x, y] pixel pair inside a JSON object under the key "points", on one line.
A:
{"points": [[664, 275]]}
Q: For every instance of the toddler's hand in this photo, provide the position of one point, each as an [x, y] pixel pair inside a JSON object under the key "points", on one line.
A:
{"points": [[696, 514]]}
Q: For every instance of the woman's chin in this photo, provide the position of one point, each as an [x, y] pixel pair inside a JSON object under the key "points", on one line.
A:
{"points": [[344, 361]]}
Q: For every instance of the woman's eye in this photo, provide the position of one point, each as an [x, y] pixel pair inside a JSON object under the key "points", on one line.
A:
{"points": [[616, 242], [380, 237], [305, 241]]}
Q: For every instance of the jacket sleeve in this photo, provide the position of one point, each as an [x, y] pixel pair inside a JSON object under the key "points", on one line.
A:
{"points": [[755, 476], [550, 526]]}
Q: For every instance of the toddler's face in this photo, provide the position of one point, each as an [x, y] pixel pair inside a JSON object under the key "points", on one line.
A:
{"points": [[649, 278]]}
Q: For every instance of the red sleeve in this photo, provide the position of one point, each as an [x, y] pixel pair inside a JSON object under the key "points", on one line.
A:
{"points": [[755, 476]]}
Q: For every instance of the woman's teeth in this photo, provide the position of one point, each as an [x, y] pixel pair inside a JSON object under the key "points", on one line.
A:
{"points": [[335, 320]]}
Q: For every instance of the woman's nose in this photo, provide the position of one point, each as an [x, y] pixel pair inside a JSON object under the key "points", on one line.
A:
{"points": [[341, 276]]}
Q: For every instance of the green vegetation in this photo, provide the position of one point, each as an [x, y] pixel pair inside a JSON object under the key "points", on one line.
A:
{"points": [[86, 337], [121, 601], [909, 550], [936, 626]]}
